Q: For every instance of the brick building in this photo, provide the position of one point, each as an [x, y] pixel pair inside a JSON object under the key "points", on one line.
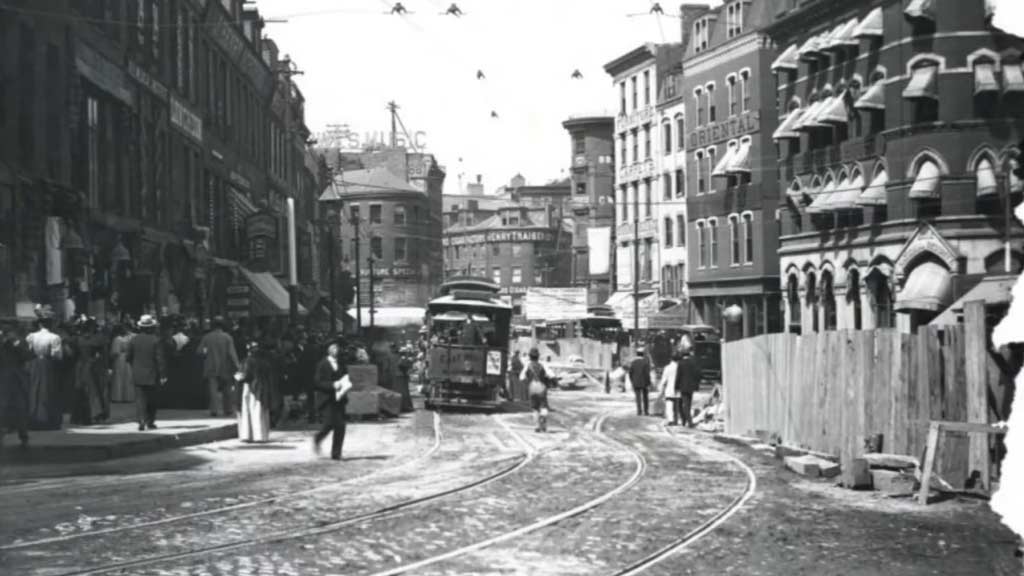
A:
{"points": [[899, 124], [592, 205], [136, 150], [733, 192], [396, 197]]}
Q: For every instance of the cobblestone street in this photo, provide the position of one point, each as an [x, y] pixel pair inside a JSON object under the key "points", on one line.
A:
{"points": [[601, 493]]}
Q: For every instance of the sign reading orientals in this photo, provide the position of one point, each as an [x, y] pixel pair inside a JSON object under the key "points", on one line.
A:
{"points": [[186, 121], [503, 236], [734, 127], [555, 303]]}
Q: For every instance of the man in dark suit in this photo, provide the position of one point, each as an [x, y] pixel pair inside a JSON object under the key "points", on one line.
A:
{"points": [[329, 374], [687, 382], [220, 362], [640, 377], [146, 356]]}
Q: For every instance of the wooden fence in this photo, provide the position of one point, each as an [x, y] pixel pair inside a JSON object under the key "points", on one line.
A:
{"points": [[830, 391]]}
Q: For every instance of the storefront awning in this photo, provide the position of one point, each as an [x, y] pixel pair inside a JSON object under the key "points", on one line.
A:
{"points": [[787, 60], [1013, 78], [922, 83], [873, 98], [985, 78], [870, 26], [272, 297], [920, 9], [392, 317], [842, 36], [929, 287], [926, 183], [874, 194], [991, 290]]}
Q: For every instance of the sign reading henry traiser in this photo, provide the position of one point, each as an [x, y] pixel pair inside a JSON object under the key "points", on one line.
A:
{"points": [[555, 303]]}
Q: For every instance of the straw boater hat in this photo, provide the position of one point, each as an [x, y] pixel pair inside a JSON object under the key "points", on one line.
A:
{"points": [[147, 321]]}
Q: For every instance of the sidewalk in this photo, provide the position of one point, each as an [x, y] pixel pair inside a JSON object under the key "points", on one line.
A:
{"points": [[118, 438]]}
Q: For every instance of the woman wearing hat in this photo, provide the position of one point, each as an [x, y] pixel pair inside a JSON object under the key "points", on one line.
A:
{"points": [[537, 380], [45, 409], [121, 387], [256, 378]]}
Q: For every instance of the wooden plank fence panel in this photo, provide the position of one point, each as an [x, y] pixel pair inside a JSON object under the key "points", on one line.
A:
{"points": [[955, 446], [976, 386]]}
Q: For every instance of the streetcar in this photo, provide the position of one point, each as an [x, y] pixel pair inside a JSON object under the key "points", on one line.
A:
{"points": [[468, 332]]}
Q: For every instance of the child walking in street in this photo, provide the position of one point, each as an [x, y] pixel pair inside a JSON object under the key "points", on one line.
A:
{"points": [[537, 379]]}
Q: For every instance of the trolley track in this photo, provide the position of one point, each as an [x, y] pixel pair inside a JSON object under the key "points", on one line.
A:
{"points": [[438, 435], [705, 527], [528, 455]]}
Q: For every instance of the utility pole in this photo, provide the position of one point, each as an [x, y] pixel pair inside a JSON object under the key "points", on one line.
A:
{"points": [[330, 272], [359, 299], [636, 266], [369, 260]]}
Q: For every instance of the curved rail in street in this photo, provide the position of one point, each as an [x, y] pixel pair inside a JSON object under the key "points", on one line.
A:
{"points": [[706, 527], [521, 461], [596, 425], [234, 507]]}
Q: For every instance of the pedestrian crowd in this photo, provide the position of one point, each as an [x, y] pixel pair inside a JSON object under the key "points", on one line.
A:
{"points": [[55, 373], [674, 384]]}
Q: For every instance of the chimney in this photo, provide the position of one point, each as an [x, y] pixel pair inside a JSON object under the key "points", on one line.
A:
{"points": [[688, 14], [479, 178]]}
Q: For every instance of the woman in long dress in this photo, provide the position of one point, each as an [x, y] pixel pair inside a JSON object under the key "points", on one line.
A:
{"points": [[121, 389], [45, 406], [257, 376]]}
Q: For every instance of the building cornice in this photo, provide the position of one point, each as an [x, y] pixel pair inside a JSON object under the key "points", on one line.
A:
{"points": [[631, 59]]}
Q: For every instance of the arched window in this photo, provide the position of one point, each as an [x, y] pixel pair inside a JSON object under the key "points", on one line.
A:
{"points": [[881, 299], [987, 199], [668, 232], [710, 95], [828, 299], [713, 242], [812, 300], [734, 240], [710, 155], [699, 160], [680, 278], [666, 132], [730, 84], [698, 98], [927, 171], [745, 89], [702, 244], [853, 297], [793, 298], [680, 132], [748, 238]]}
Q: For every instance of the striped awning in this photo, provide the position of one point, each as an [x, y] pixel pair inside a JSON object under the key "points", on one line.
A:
{"points": [[835, 112], [842, 36], [721, 168], [1013, 78], [811, 48], [985, 78], [740, 161], [922, 83], [873, 98], [846, 195], [926, 183], [786, 129], [986, 175], [920, 9], [810, 118], [870, 26], [787, 60], [241, 207], [874, 194], [822, 198]]}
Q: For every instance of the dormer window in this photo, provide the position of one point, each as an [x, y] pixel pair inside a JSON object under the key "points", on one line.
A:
{"points": [[734, 19], [701, 33]]}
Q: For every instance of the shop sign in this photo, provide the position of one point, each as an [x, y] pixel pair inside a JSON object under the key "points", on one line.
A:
{"points": [[638, 170], [645, 114], [103, 73], [143, 77], [646, 229], [261, 230], [392, 272], [183, 118], [503, 236], [734, 127]]}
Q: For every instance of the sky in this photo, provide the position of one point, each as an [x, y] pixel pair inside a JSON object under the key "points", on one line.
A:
{"points": [[356, 57]]}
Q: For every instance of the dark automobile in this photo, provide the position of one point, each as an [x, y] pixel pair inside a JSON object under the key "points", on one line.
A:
{"points": [[707, 348]]}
